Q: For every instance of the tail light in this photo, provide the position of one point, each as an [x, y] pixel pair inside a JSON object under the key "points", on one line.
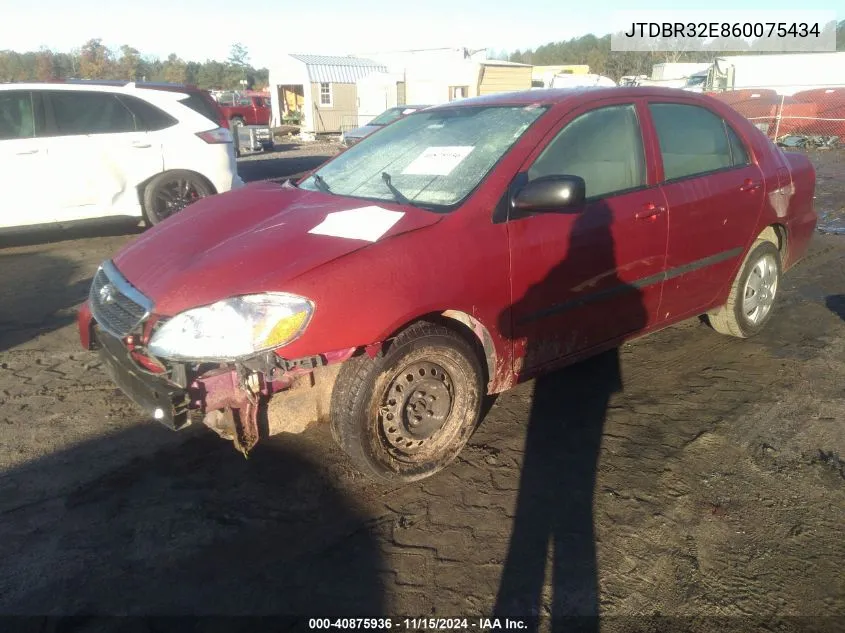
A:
{"points": [[217, 135]]}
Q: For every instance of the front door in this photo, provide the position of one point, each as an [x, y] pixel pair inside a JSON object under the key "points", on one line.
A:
{"points": [[584, 277], [715, 195]]}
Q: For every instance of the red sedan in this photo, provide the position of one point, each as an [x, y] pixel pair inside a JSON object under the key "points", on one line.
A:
{"points": [[452, 254]]}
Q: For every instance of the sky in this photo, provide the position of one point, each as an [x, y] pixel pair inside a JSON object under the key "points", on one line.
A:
{"points": [[197, 30]]}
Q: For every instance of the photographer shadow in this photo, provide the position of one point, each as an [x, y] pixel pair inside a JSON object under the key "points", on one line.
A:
{"points": [[554, 524]]}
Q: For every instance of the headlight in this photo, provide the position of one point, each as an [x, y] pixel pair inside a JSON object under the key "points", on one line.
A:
{"points": [[233, 328]]}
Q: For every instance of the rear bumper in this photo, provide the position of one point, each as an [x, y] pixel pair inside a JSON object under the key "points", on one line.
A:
{"points": [[162, 401]]}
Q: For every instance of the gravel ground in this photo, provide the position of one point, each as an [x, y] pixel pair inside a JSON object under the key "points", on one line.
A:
{"points": [[712, 485]]}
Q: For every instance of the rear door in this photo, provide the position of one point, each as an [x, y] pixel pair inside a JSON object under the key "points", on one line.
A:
{"points": [[24, 177], [101, 152], [715, 194]]}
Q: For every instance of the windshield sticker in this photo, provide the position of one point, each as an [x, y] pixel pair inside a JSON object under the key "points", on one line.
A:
{"points": [[438, 161], [367, 223]]}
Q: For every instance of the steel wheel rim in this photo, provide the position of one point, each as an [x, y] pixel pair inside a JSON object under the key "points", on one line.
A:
{"points": [[174, 196], [414, 415], [761, 286]]}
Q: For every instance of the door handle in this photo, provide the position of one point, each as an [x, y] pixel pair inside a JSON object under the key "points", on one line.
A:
{"points": [[141, 145], [650, 211], [27, 151], [750, 185]]}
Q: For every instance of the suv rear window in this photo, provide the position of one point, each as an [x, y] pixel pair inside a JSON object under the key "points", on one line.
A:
{"points": [[198, 103]]}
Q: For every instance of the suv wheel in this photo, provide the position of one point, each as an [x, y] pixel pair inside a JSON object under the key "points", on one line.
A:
{"points": [[172, 191]]}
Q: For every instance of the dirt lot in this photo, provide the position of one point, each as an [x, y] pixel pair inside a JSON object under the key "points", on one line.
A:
{"points": [[713, 484]]}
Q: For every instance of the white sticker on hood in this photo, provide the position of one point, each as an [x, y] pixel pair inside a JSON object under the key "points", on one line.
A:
{"points": [[366, 223], [438, 161]]}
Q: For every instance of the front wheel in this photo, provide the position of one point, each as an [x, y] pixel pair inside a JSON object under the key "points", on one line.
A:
{"points": [[170, 192], [752, 294], [406, 414]]}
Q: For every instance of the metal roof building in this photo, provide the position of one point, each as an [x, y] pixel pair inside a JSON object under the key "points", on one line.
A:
{"points": [[322, 88], [337, 69]]}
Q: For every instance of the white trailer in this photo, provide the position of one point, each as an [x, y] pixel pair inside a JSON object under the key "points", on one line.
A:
{"points": [[676, 70], [786, 74]]}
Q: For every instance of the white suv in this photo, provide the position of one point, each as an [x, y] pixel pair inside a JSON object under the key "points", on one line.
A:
{"points": [[76, 151]]}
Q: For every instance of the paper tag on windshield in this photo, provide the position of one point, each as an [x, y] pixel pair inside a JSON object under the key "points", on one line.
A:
{"points": [[438, 161], [366, 223]]}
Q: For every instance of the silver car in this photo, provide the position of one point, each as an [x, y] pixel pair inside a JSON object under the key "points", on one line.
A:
{"points": [[388, 116]]}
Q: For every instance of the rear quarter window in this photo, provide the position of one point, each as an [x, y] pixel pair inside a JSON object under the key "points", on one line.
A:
{"points": [[197, 103], [148, 117]]}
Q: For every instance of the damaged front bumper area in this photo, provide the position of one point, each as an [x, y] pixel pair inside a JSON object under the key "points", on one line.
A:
{"points": [[241, 402]]}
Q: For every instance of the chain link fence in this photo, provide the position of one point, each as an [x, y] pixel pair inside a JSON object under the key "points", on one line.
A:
{"points": [[814, 117]]}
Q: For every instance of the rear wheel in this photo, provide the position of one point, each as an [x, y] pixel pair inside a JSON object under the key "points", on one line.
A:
{"points": [[172, 191], [752, 294], [406, 414], [237, 122]]}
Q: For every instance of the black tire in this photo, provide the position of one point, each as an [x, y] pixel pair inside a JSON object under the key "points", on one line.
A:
{"points": [[170, 192], [236, 121], [735, 317], [431, 423]]}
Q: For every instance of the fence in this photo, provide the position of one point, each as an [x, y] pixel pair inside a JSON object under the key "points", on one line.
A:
{"points": [[804, 118], [352, 121]]}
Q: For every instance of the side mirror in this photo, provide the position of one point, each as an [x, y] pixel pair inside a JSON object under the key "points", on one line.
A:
{"points": [[551, 193]]}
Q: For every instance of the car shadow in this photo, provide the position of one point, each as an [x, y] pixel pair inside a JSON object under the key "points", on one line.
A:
{"points": [[836, 304], [184, 527], [81, 229], [554, 521], [38, 296]]}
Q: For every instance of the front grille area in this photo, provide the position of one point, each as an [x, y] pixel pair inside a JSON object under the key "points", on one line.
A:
{"points": [[117, 307]]}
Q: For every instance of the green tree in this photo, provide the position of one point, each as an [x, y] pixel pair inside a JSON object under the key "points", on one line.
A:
{"points": [[96, 61], [129, 64], [45, 69], [238, 56], [174, 70]]}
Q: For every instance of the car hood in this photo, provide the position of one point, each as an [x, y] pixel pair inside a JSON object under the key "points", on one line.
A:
{"points": [[253, 239]]}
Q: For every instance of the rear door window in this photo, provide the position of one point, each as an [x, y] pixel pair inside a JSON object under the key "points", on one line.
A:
{"points": [[739, 155], [694, 141], [80, 113]]}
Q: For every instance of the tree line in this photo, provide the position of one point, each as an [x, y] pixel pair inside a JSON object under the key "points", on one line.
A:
{"points": [[93, 60]]}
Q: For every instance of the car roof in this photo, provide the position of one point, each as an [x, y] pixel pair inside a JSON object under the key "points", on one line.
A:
{"points": [[553, 96], [73, 84]]}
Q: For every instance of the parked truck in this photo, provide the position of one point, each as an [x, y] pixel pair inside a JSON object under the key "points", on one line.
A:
{"points": [[786, 74], [246, 109]]}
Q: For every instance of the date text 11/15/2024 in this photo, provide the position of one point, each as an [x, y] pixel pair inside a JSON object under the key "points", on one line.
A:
{"points": [[419, 624]]}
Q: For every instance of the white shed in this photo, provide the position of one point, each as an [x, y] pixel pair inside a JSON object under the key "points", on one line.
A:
{"points": [[321, 87]]}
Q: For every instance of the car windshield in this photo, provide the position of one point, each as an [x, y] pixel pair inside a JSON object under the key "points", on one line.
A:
{"points": [[387, 116], [432, 159]]}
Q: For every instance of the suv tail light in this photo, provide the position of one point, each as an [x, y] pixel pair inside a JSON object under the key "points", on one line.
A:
{"points": [[217, 135]]}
